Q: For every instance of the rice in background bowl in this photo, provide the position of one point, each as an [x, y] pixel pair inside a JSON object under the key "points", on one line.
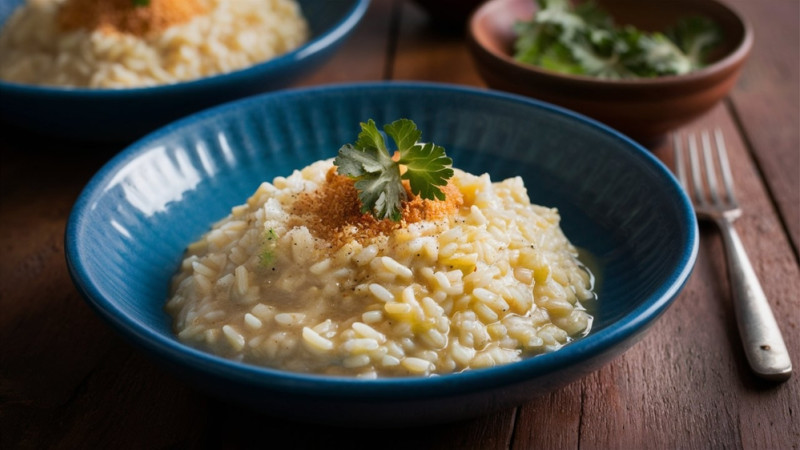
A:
{"points": [[484, 280], [121, 115], [229, 35]]}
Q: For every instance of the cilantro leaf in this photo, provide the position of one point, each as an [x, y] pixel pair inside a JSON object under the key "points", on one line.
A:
{"points": [[378, 178]]}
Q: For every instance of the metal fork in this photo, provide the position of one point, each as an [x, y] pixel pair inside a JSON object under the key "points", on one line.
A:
{"points": [[763, 343]]}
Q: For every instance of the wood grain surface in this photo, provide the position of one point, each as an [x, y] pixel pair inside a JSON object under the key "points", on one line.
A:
{"points": [[67, 380], [765, 103]]}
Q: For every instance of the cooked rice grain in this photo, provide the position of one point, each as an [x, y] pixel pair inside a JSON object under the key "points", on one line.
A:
{"points": [[489, 285]]}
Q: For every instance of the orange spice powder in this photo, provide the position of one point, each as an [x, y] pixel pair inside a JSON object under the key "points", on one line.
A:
{"points": [[124, 16], [331, 211]]}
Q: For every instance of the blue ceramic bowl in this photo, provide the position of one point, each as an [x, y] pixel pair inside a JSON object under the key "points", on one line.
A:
{"points": [[130, 226], [125, 114]]}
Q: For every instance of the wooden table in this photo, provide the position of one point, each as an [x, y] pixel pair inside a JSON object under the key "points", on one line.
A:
{"points": [[66, 380]]}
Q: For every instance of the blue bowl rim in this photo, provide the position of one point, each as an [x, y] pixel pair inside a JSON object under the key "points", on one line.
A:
{"points": [[580, 351], [317, 44]]}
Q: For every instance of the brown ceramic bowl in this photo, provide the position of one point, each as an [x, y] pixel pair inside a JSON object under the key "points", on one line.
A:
{"points": [[644, 109]]}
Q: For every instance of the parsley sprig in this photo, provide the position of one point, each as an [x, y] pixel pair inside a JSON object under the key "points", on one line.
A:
{"points": [[378, 176]]}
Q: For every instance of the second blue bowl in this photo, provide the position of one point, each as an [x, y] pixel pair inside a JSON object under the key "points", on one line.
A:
{"points": [[125, 114]]}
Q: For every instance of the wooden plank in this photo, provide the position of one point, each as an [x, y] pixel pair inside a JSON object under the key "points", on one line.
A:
{"points": [[552, 421], [766, 101], [40, 307], [425, 52], [128, 402], [363, 57], [51, 340], [704, 393], [239, 428]]}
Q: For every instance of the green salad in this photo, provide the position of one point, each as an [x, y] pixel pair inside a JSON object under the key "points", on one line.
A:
{"points": [[582, 39]]}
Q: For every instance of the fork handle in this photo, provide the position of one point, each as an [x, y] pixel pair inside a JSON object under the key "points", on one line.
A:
{"points": [[763, 343]]}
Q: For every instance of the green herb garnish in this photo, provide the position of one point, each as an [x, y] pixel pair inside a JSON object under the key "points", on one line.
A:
{"points": [[377, 175], [268, 245], [583, 40], [140, 3], [696, 37]]}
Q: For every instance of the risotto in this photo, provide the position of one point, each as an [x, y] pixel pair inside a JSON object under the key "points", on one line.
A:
{"points": [[135, 43], [480, 279]]}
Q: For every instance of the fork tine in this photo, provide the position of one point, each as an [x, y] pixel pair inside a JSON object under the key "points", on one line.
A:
{"points": [[694, 164], [764, 347], [711, 175], [680, 171], [727, 178]]}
